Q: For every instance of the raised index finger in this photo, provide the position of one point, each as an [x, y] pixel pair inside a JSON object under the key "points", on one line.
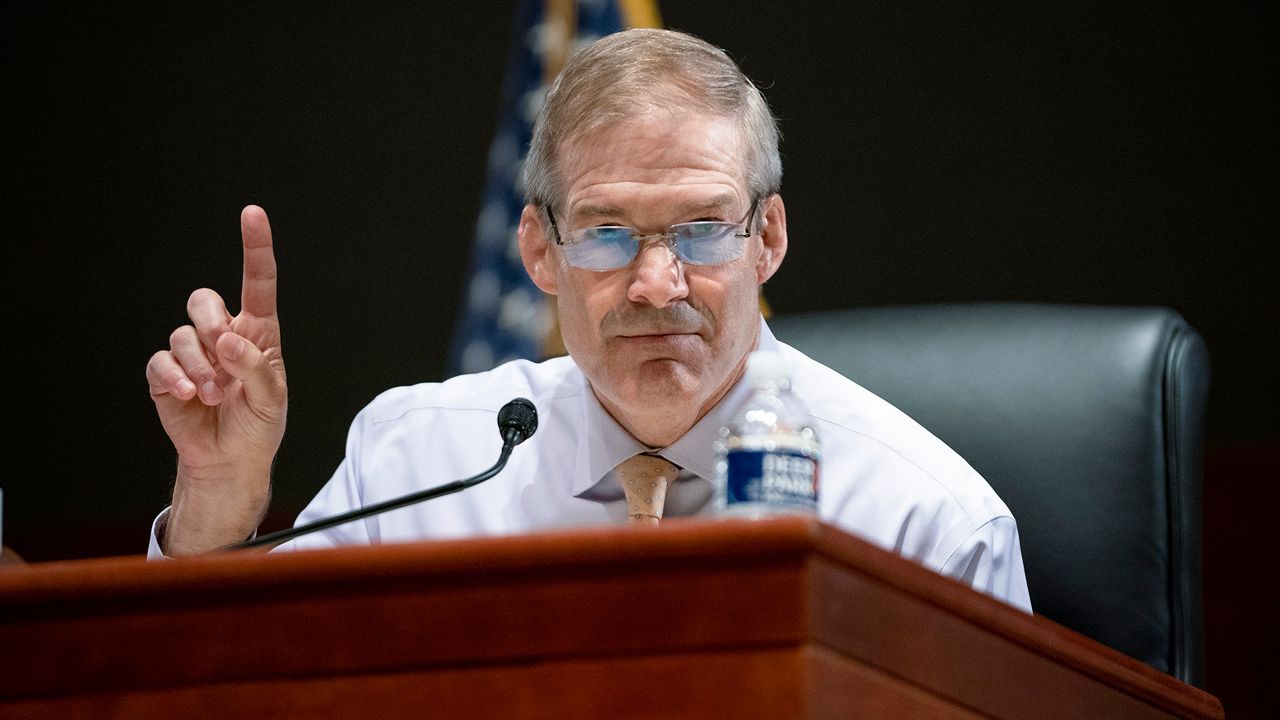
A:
{"points": [[258, 288]]}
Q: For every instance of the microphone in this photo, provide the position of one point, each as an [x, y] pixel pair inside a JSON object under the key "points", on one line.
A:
{"points": [[517, 421]]}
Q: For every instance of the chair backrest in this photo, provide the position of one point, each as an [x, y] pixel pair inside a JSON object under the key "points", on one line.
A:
{"points": [[1089, 423]]}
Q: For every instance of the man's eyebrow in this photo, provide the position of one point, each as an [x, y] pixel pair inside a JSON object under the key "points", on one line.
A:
{"points": [[717, 202], [597, 211]]}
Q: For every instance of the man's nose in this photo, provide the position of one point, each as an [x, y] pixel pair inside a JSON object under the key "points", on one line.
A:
{"points": [[657, 273]]}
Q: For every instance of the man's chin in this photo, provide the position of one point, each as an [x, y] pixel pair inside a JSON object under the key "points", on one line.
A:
{"points": [[668, 381], [671, 373]]}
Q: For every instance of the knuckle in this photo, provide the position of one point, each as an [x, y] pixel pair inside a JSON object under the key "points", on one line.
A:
{"points": [[181, 336], [155, 366], [163, 370], [204, 302]]}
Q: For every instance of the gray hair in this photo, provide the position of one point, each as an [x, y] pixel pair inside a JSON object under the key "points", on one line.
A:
{"points": [[646, 70]]}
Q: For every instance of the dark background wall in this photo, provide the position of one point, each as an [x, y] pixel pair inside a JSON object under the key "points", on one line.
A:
{"points": [[1042, 151]]}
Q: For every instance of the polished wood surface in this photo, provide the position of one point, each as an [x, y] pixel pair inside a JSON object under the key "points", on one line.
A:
{"points": [[783, 618]]}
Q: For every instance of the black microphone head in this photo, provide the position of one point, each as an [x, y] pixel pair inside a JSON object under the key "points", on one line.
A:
{"points": [[518, 415]]}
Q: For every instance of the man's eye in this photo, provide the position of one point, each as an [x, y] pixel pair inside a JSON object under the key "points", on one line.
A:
{"points": [[703, 228], [612, 233]]}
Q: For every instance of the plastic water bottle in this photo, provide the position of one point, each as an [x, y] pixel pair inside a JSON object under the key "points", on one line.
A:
{"points": [[768, 456]]}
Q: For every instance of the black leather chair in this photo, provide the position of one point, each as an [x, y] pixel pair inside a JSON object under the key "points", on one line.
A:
{"points": [[1089, 423]]}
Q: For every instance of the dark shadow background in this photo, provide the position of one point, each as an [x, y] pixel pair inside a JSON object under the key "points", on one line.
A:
{"points": [[1085, 154]]}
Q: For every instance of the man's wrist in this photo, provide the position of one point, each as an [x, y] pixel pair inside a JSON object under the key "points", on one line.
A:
{"points": [[206, 517]]}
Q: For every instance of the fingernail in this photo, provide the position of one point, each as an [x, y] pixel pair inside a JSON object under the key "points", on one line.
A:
{"points": [[210, 392], [236, 349], [186, 387]]}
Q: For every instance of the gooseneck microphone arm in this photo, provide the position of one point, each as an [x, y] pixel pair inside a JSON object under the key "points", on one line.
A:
{"points": [[517, 420]]}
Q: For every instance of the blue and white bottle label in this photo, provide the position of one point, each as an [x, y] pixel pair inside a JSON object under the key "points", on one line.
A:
{"points": [[779, 477]]}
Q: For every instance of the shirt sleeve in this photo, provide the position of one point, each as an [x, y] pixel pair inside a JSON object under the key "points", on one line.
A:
{"points": [[990, 560], [339, 495]]}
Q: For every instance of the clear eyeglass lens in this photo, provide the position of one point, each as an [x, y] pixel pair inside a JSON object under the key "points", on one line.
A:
{"points": [[600, 248], [609, 248], [707, 243]]}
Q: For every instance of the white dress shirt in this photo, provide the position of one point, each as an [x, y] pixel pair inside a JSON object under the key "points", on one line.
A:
{"points": [[884, 477]]}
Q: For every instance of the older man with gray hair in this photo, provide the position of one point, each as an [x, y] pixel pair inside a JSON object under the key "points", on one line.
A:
{"points": [[653, 216]]}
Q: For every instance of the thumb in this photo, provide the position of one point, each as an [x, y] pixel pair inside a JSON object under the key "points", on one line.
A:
{"points": [[243, 360]]}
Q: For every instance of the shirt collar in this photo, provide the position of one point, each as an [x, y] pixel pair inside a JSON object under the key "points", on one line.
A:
{"points": [[606, 443]]}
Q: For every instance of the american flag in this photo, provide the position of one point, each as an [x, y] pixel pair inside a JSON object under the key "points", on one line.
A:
{"points": [[503, 315]]}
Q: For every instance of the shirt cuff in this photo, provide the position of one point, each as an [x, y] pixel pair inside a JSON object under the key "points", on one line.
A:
{"points": [[157, 531]]}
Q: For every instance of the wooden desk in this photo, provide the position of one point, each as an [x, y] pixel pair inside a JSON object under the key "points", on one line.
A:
{"points": [[782, 618]]}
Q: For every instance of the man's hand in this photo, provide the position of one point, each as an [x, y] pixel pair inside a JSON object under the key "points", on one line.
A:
{"points": [[221, 396]]}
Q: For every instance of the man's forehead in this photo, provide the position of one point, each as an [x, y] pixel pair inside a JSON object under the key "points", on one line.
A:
{"points": [[692, 161], [652, 131]]}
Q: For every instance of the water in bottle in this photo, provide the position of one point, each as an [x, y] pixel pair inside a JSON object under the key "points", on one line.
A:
{"points": [[768, 456]]}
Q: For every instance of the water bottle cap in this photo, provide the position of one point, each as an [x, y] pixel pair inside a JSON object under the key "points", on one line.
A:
{"points": [[765, 366]]}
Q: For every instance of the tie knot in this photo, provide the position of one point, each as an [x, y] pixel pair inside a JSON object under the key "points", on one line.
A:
{"points": [[645, 479]]}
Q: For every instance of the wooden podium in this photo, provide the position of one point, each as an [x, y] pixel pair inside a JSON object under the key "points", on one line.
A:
{"points": [[783, 618]]}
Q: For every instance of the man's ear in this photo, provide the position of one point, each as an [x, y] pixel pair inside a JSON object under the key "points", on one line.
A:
{"points": [[773, 238], [535, 249]]}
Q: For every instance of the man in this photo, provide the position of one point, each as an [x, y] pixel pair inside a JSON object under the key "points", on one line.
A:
{"points": [[653, 216]]}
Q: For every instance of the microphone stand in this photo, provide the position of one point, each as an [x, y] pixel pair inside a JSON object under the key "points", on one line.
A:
{"points": [[280, 536]]}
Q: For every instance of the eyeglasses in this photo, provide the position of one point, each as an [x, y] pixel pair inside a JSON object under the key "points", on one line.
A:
{"points": [[609, 247]]}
